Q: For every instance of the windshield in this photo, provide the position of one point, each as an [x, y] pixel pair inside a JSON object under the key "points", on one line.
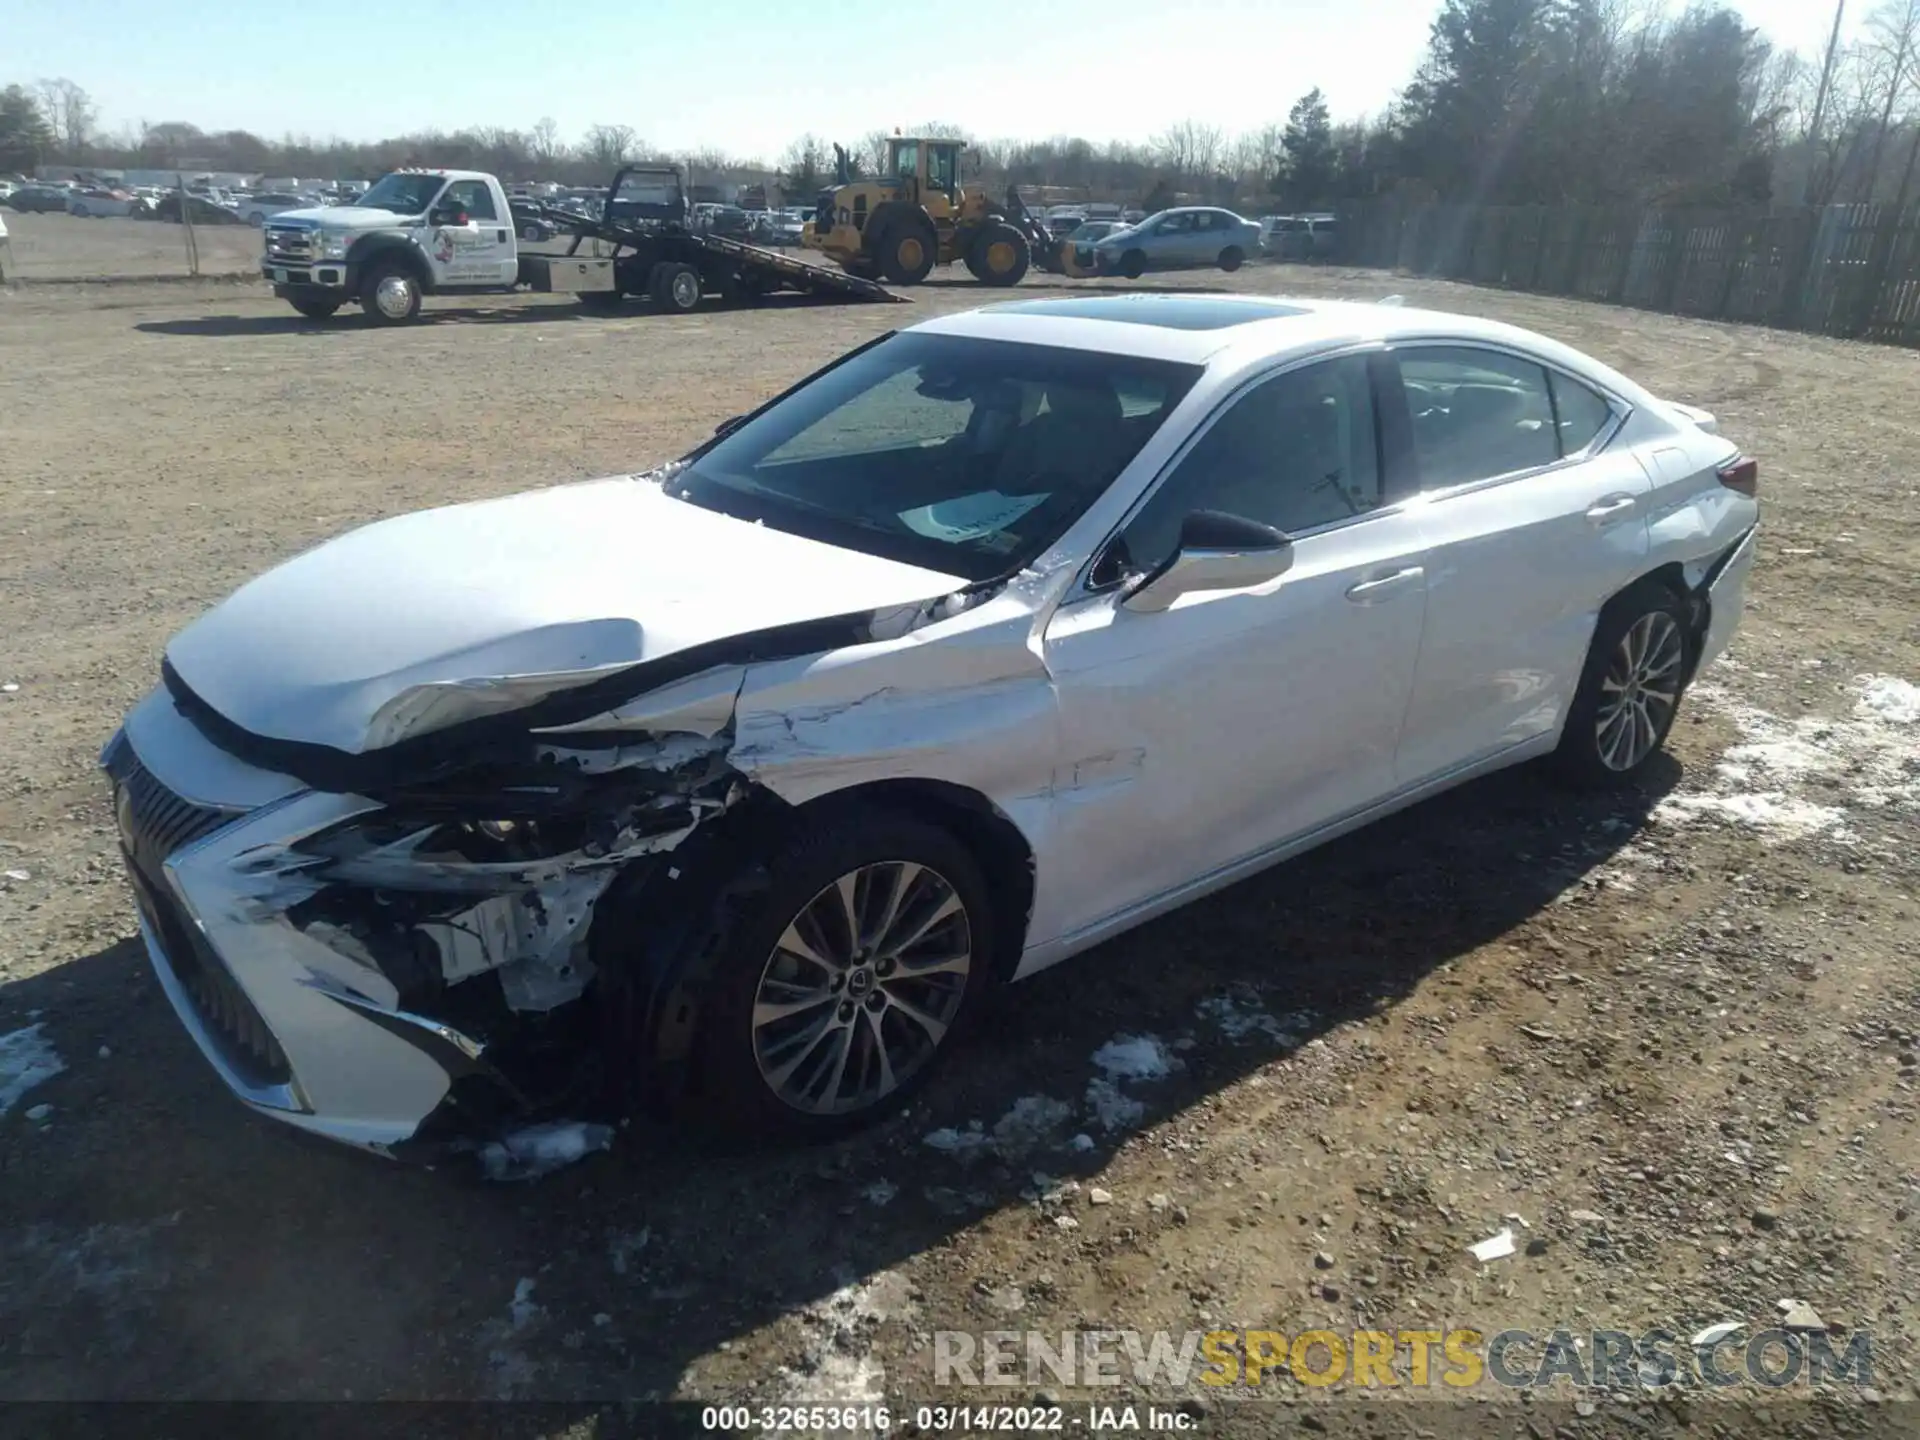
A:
{"points": [[403, 194], [955, 454]]}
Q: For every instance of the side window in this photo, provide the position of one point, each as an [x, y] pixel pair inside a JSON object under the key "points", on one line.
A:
{"points": [[1476, 414], [1581, 413], [1175, 225], [1296, 452], [472, 196]]}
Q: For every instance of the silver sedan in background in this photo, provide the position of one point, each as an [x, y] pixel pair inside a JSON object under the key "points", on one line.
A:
{"points": [[1190, 237]]}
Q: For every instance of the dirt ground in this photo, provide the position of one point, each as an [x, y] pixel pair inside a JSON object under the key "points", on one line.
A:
{"points": [[1673, 1033]]}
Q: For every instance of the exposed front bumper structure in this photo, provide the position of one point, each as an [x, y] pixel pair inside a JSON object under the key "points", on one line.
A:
{"points": [[297, 1025]]}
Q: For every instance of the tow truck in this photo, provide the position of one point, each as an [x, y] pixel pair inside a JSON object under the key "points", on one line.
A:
{"points": [[420, 232]]}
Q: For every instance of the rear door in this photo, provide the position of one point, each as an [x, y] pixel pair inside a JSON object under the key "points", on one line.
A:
{"points": [[1532, 522]]}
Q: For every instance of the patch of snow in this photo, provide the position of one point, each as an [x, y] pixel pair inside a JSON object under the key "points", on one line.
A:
{"points": [[27, 1058], [839, 1366], [1239, 1016], [1790, 779], [1494, 1247], [1894, 700], [949, 1141], [1111, 1110], [1030, 1122], [1135, 1057], [522, 1309], [622, 1248], [542, 1149]]}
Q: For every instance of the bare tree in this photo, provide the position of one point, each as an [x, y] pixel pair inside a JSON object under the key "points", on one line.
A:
{"points": [[610, 146], [1893, 40], [71, 113], [544, 143]]}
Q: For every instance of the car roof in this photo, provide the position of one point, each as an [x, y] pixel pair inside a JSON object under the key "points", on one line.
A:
{"points": [[1228, 331]]}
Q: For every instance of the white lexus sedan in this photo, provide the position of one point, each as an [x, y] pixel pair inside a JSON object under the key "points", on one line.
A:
{"points": [[740, 782]]}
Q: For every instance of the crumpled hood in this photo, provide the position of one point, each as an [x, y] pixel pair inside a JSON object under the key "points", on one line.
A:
{"points": [[427, 620], [343, 217]]}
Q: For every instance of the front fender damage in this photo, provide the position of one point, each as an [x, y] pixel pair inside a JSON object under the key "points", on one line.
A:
{"points": [[456, 913]]}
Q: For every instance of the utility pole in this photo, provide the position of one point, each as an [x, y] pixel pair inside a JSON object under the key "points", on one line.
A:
{"points": [[1820, 99]]}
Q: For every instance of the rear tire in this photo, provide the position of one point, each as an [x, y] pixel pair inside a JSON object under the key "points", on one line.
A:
{"points": [[1630, 688], [390, 293], [999, 255], [760, 966], [907, 253], [675, 287], [1133, 264], [1232, 258], [316, 309]]}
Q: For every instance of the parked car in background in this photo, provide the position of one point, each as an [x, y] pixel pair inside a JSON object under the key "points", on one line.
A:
{"points": [[260, 208], [1298, 237], [1189, 237], [738, 781], [38, 198], [202, 210], [89, 201], [527, 223]]}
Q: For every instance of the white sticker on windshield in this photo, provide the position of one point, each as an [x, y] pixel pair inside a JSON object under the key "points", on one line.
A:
{"points": [[969, 517]]}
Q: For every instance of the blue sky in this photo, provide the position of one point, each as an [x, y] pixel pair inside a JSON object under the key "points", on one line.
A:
{"points": [[745, 76]]}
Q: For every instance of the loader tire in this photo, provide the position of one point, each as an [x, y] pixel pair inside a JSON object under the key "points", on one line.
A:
{"points": [[999, 255], [907, 253]]}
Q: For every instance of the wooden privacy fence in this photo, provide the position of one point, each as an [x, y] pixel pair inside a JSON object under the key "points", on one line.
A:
{"points": [[1845, 270]]}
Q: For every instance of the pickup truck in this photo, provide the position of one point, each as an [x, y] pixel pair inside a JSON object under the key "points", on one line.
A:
{"points": [[414, 233], [456, 232]]}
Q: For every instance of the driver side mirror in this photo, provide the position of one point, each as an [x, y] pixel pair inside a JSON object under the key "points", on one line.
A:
{"points": [[1217, 551], [447, 215]]}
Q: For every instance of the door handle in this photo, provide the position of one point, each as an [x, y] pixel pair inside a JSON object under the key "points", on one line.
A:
{"points": [[1610, 508], [1367, 591]]}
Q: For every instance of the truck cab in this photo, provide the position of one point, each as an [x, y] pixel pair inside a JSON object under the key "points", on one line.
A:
{"points": [[416, 232]]}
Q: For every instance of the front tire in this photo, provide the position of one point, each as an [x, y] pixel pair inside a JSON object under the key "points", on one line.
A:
{"points": [[907, 254], [1637, 669], [999, 255], [1133, 264], [840, 986], [390, 294]]}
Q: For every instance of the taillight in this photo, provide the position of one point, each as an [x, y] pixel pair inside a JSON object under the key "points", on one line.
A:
{"points": [[1742, 474]]}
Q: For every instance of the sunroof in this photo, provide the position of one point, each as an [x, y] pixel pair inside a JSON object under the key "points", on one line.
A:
{"points": [[1174, 312]]}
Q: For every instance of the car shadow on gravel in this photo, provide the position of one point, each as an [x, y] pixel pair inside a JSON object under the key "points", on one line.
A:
{"points": [[160, 1242]]}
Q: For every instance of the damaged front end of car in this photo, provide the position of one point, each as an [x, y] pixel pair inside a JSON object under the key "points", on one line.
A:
{"points": [[391, 949]]}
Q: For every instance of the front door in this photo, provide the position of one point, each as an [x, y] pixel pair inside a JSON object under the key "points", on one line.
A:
{"points": [[1236, 719], [480, 253]]}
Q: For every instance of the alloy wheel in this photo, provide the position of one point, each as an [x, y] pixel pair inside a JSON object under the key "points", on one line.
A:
{"points": [[862, 987], [1639, 691]]}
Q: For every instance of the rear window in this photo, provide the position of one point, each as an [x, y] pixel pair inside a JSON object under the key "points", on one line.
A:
{"points": [[956, 454]]}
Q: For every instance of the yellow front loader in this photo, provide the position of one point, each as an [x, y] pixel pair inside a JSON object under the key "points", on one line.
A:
{"points": [[897, 226]]}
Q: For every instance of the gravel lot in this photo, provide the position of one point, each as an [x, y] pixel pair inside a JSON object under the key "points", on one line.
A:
{"points": [[1675, 1033]]}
